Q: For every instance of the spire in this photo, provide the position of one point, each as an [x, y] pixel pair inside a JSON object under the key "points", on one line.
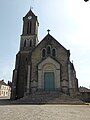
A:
{"points": [[30, 13]]}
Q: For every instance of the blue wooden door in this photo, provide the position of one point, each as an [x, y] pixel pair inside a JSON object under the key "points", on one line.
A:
{"points": [[49, 84]]}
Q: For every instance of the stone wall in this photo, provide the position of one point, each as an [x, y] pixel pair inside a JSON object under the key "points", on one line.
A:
{"points": [[61, 56]]}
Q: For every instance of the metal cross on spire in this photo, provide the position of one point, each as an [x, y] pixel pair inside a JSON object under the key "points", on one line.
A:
{"points": [[48, 31]]}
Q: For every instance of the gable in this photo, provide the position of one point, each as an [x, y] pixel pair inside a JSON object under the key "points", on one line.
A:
{"points": [[30, 13], [49, 60], [49, 40], [3, 83]]}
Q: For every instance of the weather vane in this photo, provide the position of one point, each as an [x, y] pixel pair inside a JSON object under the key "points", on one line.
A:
{"points": [[31, 7]]}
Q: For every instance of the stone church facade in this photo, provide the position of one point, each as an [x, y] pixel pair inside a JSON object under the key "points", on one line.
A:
{"points": [[41, 66]]}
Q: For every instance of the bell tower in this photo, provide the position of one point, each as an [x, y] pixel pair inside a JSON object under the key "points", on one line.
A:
{"points": [[29, 37]]}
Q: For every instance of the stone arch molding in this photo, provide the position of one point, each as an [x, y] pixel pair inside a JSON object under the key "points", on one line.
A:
{"points": [[48, 65]]}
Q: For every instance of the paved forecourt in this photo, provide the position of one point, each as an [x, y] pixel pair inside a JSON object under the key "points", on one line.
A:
{"points": [[44, 112]]}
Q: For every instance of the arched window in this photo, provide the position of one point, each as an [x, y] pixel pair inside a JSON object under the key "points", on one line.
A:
{"points": [[30, 43], [43, 53], [53, 52], [29, 27], [48, 50], [26, 59], [25, 43]]}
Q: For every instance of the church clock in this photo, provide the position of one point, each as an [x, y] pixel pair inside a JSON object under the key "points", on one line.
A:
{"points": [[29, 17]]}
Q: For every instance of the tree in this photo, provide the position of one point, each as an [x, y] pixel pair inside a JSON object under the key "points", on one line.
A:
{"points": [[86, 0]]}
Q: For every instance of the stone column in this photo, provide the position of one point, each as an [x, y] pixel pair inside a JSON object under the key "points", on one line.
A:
{"points": [[70, 80], [57, 80], [28, 80], [40, 79], [13, 93]]}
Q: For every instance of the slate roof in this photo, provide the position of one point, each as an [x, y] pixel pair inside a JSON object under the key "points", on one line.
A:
{"points": [[30, 13], [3, 83], [49, 38], [84, 89]]}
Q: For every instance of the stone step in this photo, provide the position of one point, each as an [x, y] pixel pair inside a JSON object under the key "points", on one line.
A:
{"points": [[48, 97]]}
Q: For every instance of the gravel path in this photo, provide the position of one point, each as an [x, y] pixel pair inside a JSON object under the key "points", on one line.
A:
{"points": [[44, 112]]}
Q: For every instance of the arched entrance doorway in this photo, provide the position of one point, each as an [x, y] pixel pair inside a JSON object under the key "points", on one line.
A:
{"points": [[49, 75], [49, 81]]}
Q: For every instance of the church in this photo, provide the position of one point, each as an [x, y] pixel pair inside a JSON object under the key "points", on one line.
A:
{"points": [[43, 66]]}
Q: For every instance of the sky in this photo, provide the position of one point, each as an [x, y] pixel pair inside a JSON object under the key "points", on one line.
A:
{"points": [[68, 21]]}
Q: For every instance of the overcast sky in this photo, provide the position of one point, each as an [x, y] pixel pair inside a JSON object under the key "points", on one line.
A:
{"points": [[68, 20]]}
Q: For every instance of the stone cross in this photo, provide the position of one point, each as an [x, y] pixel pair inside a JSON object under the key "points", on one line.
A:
{"points": [[48, 31]]}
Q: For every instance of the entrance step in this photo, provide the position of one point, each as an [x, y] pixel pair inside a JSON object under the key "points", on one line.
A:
{"points": [[48, 98]]}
